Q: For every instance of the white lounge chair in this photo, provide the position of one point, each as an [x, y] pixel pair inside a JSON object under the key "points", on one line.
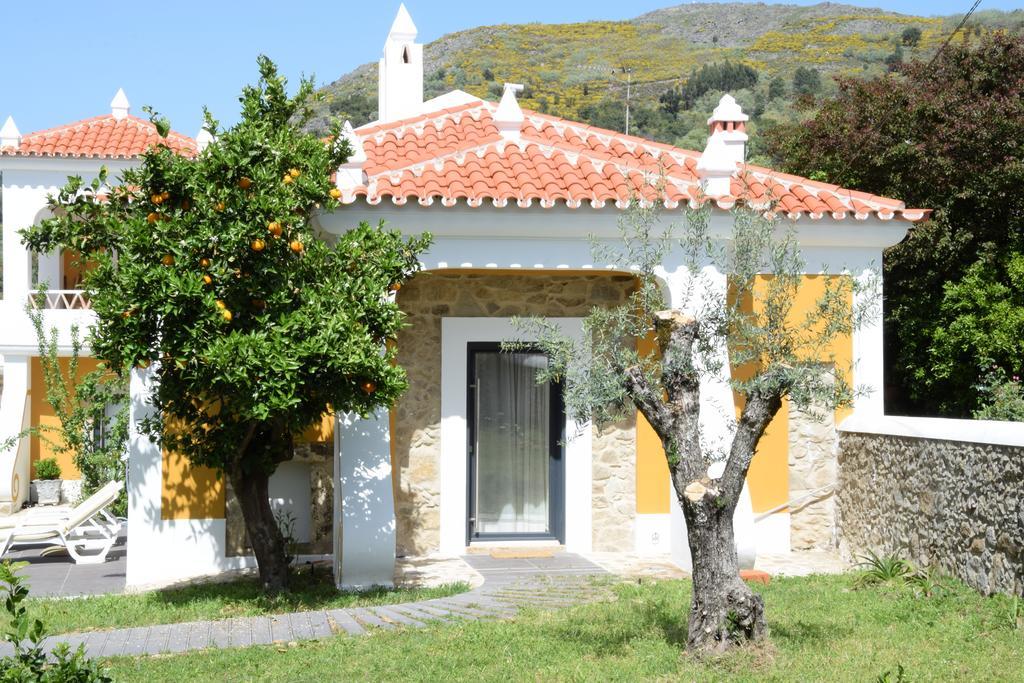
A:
{"points": [[86, 527]]}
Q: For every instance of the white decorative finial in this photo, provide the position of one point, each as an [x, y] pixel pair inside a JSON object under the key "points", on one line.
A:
{"points": [[508, 117], [402, 28], [204, 139], [10, 136], [120, 105], [726, 148], [350, 173]]}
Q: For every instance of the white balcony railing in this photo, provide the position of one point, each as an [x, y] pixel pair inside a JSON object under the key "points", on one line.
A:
{"points": [[60, 299]]}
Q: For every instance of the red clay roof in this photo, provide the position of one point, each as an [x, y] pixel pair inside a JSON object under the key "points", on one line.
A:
{"points": [[99, 137], [457, 154]]}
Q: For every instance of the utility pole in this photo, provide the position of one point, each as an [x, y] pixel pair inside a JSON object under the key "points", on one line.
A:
{"points": [[629, 82]]}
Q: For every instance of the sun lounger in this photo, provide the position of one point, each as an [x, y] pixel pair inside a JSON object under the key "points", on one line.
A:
{"points": [[86, 528]]}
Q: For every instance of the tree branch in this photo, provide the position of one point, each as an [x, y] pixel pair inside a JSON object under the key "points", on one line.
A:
{"points": [[760, 408], [649, 402]]}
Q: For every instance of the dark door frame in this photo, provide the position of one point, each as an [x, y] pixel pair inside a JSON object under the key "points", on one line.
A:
{"points": [[556, 454]]}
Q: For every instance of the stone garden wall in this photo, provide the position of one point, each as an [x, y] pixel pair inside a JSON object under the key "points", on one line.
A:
{"points": [[416, 432], [948, 493]]}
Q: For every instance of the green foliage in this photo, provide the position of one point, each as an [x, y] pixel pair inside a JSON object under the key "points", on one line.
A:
{"points": [[882, 570], [911, 36], [210, 267], [1000, 397], [723, 76], [806, 81], [944, 136], [47, 468], [92, 411], [29, 662], [887, 676]]}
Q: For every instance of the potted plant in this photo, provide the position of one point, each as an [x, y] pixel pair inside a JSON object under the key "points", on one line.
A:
{"points": [[47, 482]]}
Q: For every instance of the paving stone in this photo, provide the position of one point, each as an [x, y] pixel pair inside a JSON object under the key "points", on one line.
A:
{"points": [[299, 622], [367, 617], [262, 632], [397, 617], [413, 610], [280, 628], [158, 637], [220, 634], [241, 632], [198, 634], [136, 644], [94, 642], [319, 624], [347, 622], [114, 643], [177, 638]]}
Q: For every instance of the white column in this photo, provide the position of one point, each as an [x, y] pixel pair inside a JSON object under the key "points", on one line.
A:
{"points": [[690, 293], [364, 510], [15, 469], [869, 345], [145, 463]]}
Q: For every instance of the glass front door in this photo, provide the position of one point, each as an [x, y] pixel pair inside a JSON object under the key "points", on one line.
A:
{"points": [[516, 430]]}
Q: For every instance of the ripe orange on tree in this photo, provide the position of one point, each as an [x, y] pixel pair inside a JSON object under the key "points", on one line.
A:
{"points": [[244, 183], [258, 245], [296, 246], [274, 228]]}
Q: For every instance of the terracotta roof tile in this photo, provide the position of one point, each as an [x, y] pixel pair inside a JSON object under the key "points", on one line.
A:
{"points": [[99, 137], [458, 154]]}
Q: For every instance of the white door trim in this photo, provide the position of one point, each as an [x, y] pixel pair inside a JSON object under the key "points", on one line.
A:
{"points": [[456, 333]]}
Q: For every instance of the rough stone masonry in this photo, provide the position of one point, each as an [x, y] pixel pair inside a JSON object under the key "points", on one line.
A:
{"points": [[955, 505]]}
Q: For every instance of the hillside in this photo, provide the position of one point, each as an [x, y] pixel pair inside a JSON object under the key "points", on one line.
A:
{"points": [[780, 57]]}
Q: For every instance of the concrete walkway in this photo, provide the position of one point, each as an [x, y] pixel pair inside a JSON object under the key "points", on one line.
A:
{"points": [[559, 581]]}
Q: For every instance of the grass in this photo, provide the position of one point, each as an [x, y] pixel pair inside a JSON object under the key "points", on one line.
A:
{"points": [[821, 629], [237, 598]]}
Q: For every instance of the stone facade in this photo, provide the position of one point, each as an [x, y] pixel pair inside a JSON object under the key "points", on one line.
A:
{"points": [[812, 467], [417, 417], [319, 456], [951, 504]]}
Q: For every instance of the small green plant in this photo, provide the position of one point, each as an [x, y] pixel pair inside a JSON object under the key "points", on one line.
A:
{"points": [[286, 523], [887, 677], [927, 582], [29, 661], [1016, 613], [1001, 395], [885, 570], [47, 469]]}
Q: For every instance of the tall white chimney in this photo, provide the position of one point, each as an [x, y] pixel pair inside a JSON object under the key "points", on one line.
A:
{"points": [[726, 148], [400, 83]]}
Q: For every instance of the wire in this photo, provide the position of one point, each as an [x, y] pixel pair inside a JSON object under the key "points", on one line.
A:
{"points": [[955, 31]]}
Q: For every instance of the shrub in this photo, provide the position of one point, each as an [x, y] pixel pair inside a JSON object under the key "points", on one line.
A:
{"points": [[1002, 397], [47, 468], [29, 661], [911, 36]]}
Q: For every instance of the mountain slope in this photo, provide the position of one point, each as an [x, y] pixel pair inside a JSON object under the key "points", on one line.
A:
{"points": [[580, 71]]}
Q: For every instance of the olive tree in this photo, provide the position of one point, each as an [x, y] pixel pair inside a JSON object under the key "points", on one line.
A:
{"points": [[209, 267], [752, 324]]}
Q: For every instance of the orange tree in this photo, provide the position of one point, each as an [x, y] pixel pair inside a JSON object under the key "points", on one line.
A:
{"points": [[209, 267]]}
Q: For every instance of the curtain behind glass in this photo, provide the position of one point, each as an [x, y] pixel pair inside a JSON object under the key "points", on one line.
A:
{"points": [[513, 421]]}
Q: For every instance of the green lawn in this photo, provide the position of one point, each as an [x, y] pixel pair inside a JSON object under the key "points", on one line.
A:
{"points": [[820, 630], [239, 598]]}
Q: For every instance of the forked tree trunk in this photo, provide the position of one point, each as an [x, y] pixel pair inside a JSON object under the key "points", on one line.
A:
{"points": [[724, 611]]}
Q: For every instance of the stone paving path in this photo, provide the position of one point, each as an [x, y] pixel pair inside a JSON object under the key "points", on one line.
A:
{"points": [[553, 582]]}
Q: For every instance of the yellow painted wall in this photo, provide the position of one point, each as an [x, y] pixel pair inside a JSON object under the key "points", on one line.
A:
{"points": [[191, 492], [41, 414], [768, 477], [652, 476]]}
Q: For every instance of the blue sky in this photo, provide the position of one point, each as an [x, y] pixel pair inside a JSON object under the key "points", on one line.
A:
{"points": [[66, 60]]}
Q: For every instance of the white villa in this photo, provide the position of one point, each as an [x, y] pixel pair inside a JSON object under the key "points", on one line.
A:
{"points": [[511, 197]]}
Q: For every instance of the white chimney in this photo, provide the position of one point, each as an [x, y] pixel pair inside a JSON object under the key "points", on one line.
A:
{"points": [[10, 136], [400, 80], [120, 105], [204, 139], [350, 174], [508, 117], [726, 148]]}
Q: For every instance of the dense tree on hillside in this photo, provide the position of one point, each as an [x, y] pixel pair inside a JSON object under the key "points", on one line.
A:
{"points": [[806, 80], [210, 269], [911, 36], [947, 136], [724, 76]]}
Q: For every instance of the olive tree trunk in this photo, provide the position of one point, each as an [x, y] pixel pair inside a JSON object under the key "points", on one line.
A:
{"points": [[724, 611], [250, 479]]}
